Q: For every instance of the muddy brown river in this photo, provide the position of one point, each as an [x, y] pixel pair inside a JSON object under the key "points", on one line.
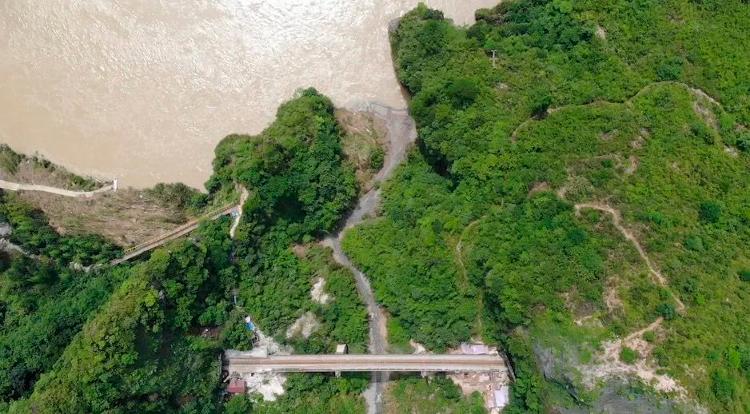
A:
{"points": [[143, 90]]}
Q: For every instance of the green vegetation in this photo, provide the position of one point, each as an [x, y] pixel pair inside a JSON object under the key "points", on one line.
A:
{"points": [[146, 338], [438, 395], [9, 159], [300, 186], [136, 353], [606, 149], [319, 394], [628, 355], [40, 315], [343, 318], [295, 170], [12, 164], [43, 300], [638, 107], [178, 196], [32, 232]]}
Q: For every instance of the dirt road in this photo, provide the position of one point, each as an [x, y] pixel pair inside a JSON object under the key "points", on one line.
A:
{"points": [[402, 134]]}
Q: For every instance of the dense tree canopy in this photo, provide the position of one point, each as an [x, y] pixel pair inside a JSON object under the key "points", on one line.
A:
{"points": [[641, 107]]}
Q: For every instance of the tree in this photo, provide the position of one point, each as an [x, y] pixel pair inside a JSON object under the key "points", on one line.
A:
{"points": [[238, 404], [463, 92]]}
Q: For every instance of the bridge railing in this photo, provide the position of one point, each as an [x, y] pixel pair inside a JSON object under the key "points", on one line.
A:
{"points": [[193, 223], [366, 362]]}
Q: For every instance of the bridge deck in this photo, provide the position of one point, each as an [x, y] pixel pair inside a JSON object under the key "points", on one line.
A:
{"points": [[368, 363], [176, 233]]}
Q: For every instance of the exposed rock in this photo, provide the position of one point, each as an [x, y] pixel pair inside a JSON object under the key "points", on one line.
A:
{"points": [[5, 230], [318, 292], [305, 325], [601, 33]]}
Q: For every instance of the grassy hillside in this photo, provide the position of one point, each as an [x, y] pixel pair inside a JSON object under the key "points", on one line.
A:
{"points": [[584, 200]]}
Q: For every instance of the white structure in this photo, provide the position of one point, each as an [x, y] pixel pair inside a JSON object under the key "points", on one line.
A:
{"points": [[499, 399]]}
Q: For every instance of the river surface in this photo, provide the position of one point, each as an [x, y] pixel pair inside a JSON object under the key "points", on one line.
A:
{"points": [[143, 90]]}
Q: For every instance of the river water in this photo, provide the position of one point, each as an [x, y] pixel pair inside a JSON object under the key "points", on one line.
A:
{"points": [[143, 90]]}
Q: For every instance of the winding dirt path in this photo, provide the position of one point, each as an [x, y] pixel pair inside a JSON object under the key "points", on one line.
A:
{"points": [[402, 134], [609, 363], [460, 245], [658, 278], [10, 186], [694, 91]]}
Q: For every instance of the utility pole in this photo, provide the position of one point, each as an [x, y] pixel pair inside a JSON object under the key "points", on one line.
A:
{"points": [[494, 58]]}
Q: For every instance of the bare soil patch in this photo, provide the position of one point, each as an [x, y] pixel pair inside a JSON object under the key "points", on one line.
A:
{"points": [[608, 364], [538, 188], [318, 292], [364, 136], [705, 113], [632, 165], [125, 217], [305, 325]]}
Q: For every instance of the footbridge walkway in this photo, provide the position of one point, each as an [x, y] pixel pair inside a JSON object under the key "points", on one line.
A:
{"points": [[245, 363], [135, 251]]}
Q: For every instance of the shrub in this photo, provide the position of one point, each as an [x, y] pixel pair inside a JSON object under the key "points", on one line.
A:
{"points": [[540, 102], [701, 131], [9, 159], [709, 212], [694, 243], [670, 69], [238, 404], [377, 158], [743, 142], [463, 92], [649, 336], [744, 275], [723, 385], [628, 355], [667, 311]]}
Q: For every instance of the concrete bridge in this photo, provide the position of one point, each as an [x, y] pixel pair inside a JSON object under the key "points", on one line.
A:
{"points": [[244, 363]]}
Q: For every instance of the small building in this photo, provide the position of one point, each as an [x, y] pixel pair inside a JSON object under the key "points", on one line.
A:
{"points": [[342, 349], [237, 386]]}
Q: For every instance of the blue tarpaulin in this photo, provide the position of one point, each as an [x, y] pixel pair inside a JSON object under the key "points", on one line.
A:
{"points": [[249, 324]]}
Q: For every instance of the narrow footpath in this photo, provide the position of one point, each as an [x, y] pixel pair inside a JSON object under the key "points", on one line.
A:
{"points": [[10, 186], [402, 134], [658, 278]]}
